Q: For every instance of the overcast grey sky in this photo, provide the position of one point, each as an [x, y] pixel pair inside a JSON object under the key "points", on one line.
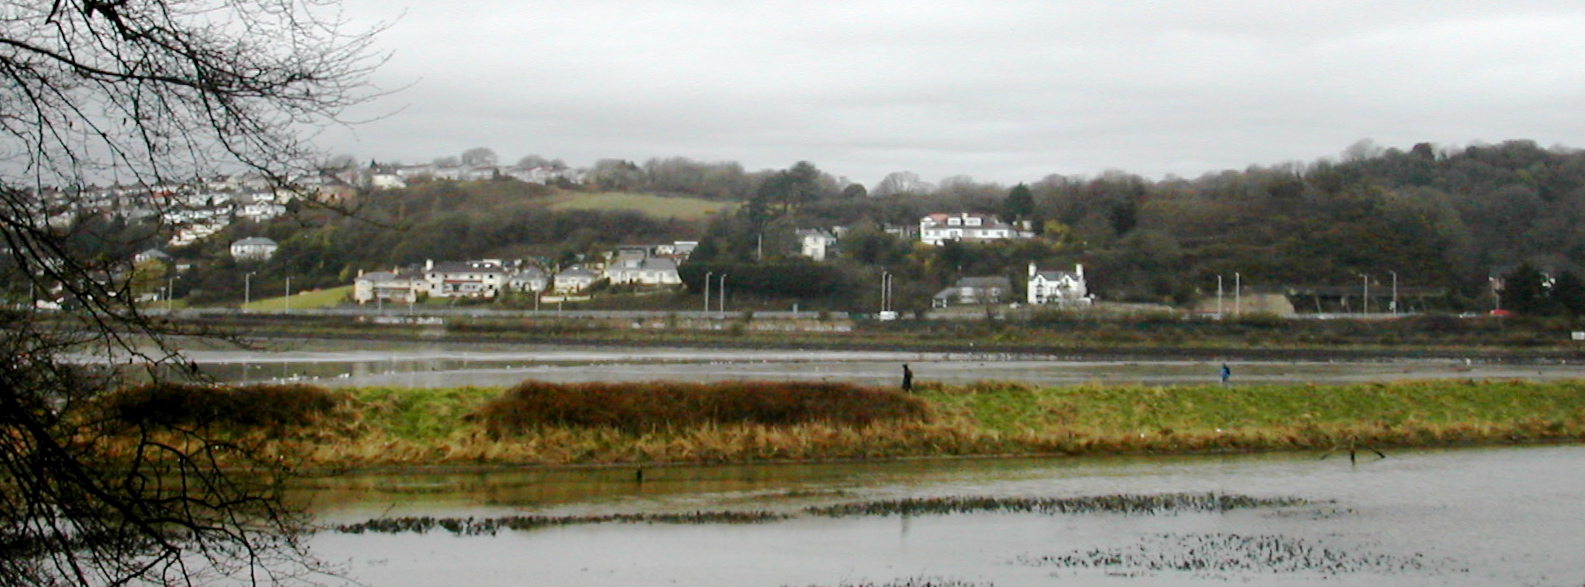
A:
{"points": [[1003, 91]]}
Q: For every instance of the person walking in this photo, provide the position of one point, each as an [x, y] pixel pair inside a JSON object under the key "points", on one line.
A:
{"points": [[1227, 373], [908, 378]]}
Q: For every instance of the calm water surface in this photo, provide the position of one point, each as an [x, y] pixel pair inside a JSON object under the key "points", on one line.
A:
{"points": [[453, 366], [1454, 517]]}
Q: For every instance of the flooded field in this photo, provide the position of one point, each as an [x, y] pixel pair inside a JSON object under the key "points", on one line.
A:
{"points": [[447, 367], [1460, 517]]}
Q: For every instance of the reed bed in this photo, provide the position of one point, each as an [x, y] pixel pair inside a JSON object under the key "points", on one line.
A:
{"points": [[555, 425]]}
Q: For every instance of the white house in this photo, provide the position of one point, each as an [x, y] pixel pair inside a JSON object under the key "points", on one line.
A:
{"points": [[964, 226], [817, 244], [649, 271], [254, 248], [1058, 287], [390, 286], [468, 279], [573, 279]]}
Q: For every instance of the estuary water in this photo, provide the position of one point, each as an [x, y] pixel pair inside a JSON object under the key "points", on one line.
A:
{"points": [[502, 367], [1445, 517]]}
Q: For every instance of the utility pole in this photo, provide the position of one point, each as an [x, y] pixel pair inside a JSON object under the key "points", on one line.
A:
{"points": [[247, 291], [1394, 291], [707, 275], [1238, 294], [721, 291], [1219, 296], [288, 294], [1364, 303]]}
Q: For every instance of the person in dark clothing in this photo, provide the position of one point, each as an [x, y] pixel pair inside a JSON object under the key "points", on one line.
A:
{"points": [[908, 378], [1226, 373]]}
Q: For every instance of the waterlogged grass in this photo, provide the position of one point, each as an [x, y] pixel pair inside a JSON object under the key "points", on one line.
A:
{"points": [[659, 422]]}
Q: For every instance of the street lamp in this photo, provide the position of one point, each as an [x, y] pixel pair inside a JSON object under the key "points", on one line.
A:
{"points": [[721, 290], [1394, 291], [1364, 305], [171, 293], [1218, 296], [707, 275], [247, 291], [1238, 294], [288, 294]]}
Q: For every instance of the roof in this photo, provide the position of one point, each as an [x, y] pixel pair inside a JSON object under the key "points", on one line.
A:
{"points": [[255, 241]]}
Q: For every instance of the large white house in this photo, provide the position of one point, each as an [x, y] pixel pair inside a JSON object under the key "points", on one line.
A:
{"points": [[254, 248], [399, 287], [1058, 287], [466, 279], [964, 226], [645, 271]]}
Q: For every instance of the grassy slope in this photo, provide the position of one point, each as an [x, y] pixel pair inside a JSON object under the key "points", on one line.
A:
{"points": [[432, 427], [322, 298], [651, 205]]}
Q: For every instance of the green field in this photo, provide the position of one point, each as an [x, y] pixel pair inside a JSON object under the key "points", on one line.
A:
{"points": [[318, 298], [651, 205]]}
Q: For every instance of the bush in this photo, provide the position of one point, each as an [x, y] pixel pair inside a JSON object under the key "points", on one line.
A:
{"points": [[247, 406], [639, 407]]}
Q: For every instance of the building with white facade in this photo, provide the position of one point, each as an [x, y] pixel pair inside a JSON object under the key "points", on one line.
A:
{"points": [[1058, 287], [964, 226], [467, 279], [817, 244], [254, 248]]}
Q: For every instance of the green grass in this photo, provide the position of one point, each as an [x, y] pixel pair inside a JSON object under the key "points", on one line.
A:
{"points": [[650, 205], [653, 422], [319, 298]]}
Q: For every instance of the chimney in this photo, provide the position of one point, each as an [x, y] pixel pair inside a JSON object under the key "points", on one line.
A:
{"points": [[1079, 270], [1032, 270], [429, 264]]}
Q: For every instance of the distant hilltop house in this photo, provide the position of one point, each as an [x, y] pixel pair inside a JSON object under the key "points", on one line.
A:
{"points": [[817, 244], [151, 255], [975, 290], [1058, 287], [964, 226], [255, 248]]}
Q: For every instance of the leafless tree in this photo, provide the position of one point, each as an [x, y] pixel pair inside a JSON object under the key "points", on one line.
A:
{"points": [[139, 98]]}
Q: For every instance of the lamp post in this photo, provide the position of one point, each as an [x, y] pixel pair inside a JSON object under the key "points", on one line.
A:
{"points": [[1218, 296], [171, 293], [288, 294], [1364, 303], [721, 291], [247, 291], [1394, 291], [707, 275], [1238, 294]]}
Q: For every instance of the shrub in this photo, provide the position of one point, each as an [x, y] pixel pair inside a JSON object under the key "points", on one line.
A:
{"points": [[639, 407], [247, 406]]}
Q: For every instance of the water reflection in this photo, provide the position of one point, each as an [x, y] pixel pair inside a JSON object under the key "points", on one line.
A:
{"points": [[1469, 517]]}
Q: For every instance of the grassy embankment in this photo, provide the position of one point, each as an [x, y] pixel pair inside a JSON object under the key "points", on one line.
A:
{"points": [[555, 425]]}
